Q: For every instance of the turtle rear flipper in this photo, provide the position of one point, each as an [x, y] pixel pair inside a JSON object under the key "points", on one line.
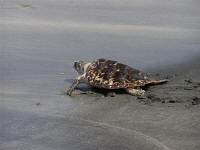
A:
{"points": [[135, 92]]}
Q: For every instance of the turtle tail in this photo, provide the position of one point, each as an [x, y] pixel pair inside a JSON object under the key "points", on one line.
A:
{"points": [[154, 82]]}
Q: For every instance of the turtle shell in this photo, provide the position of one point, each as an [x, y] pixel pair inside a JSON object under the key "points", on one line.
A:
{"points": [[110, 74]]}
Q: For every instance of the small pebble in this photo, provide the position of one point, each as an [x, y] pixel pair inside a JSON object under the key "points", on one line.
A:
{"points": [[172, 101], [150, 96], [141, 97], [163, 101], [188, 88], [195, 100], [111, 94], [188, 80], [102, 96]]}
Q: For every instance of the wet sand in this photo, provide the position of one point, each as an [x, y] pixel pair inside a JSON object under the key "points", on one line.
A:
{"points": [[39, 42], [167, 118]]}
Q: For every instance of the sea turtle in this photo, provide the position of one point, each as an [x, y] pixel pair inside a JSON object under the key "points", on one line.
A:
{"points": [[109, 74]]}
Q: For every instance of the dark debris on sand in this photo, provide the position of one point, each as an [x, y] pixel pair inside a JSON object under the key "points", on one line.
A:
{"points": [[178, 90], [195, 100]]}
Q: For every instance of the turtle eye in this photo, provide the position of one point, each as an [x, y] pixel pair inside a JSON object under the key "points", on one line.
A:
{"points": [[78, 66], [75, 64]]}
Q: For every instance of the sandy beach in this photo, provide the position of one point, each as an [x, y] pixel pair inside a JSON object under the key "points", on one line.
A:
{"points": [[167, 118], [39, 41]]}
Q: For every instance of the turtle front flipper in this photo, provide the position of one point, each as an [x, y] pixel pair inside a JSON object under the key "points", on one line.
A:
{"points": [[135, 92], [75, 84]]}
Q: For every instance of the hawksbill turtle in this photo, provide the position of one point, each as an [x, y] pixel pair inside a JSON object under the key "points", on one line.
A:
{"points": [[109, 74]]}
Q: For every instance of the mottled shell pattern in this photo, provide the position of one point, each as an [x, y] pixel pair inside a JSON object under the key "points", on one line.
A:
{"points": [[110, 74]]}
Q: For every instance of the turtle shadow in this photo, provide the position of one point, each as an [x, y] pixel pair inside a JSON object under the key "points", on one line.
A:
{"points": [[94, 90], [107, 92], [84, 88]]}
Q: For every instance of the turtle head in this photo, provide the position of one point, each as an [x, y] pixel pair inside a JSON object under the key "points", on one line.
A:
{"points": [[81, 66]]}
